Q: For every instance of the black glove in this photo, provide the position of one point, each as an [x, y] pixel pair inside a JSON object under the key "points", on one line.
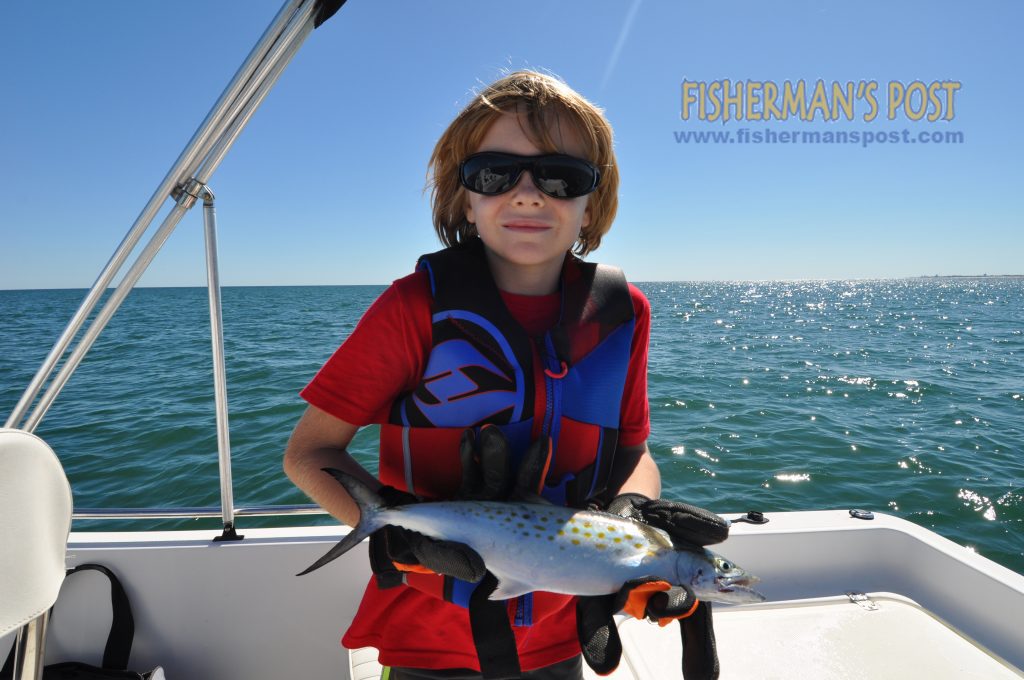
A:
{"points": [[687, 526], [394, 550], [486, 475], [486, 467]]}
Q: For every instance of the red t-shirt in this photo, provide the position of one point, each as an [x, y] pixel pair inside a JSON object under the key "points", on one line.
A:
{"points": [[384, 357]]}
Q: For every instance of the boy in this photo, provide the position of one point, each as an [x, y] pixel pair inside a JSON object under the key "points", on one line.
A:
{"points": [[503, 331]]}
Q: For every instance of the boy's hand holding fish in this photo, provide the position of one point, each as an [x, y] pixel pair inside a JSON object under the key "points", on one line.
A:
{"points": [[689, 528], [394, 550], [487, 468], [486, 476]]}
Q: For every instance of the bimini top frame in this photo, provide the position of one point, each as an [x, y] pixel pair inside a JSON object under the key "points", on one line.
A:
{"points": [[184, 184]]}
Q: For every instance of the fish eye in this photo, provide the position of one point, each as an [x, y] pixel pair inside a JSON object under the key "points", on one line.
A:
{"points": [[726, 566]]}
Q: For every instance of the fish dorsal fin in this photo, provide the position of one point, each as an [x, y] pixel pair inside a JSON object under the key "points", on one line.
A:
{"points": [[657, 537], [509, 588]]}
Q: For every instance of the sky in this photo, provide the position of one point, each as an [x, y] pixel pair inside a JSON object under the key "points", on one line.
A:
{"points": [[326, 184]]}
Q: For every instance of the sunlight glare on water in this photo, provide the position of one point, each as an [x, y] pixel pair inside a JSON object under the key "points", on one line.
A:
{"points": [[897, 395]]}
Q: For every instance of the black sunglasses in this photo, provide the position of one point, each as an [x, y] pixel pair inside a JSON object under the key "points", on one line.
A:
{"points": [[492, 172]]}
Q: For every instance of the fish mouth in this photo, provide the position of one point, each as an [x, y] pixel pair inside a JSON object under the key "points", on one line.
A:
{"points": [[739, 588]]}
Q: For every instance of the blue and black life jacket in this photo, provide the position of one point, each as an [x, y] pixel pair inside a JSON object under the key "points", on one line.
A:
{"points": [[484, 368]]}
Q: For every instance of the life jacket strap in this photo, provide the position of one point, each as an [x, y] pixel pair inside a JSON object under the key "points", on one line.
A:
{"points": [[492, 633]]}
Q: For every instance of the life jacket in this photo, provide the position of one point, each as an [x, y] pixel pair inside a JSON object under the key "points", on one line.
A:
{"points": [[483, 368]]}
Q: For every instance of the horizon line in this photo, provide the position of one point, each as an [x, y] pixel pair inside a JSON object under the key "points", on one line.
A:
{"points": [[639, 281]]}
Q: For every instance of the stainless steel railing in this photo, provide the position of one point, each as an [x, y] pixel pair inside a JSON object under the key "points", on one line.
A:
{"points": [[184, 185], [197, 512]]}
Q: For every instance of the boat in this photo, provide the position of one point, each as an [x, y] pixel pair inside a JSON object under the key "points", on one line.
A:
{"points": [[850, 593]]}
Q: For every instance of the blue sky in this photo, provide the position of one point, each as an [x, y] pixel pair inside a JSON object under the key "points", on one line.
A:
{"points": [[325, 186]]}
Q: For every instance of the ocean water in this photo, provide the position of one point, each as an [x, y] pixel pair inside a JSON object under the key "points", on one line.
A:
{"points": [[899, 396]]}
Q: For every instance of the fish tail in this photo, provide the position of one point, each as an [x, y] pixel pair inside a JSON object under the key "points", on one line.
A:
{"points": [[369, 504]]}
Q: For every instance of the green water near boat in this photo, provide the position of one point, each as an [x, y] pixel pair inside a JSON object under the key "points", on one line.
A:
{"points": [[899, 396]]}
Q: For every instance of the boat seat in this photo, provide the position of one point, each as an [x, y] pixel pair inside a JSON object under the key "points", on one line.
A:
{"points": [[35, 518], [363, 665]]}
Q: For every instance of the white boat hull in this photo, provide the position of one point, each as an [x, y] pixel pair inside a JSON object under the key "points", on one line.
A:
{"points": [[215, 611]]}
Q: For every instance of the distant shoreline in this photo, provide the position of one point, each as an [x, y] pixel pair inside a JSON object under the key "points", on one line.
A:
{"points": [[969, 276]]}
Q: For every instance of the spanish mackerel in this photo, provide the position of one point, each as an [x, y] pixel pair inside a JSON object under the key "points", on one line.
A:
{"points": [[529, 546]]}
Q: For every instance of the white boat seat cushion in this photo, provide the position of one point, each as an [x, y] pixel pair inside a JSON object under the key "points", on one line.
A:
{"points": [[363, 664], [35, 518]]}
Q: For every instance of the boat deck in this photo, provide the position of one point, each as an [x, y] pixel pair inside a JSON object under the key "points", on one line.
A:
{"points": [[888, 636], [820, 638]]}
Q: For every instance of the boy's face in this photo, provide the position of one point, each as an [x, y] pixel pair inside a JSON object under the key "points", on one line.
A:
{"points": [[526, 233]]}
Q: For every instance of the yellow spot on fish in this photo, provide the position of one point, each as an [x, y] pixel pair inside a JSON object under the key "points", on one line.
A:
{"points": [[611, 528], [575, 530], [601, 535], [561, 533], [628, 537], [601, 546], [572, 520], [575, 541], [617, 539], [638, 545], [586, 534], [586, 524]]}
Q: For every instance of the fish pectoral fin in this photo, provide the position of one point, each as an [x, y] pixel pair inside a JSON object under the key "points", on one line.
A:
{"points": [[509, 588]]}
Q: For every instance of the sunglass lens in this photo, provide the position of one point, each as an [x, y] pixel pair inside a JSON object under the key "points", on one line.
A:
{"points": [[564, 177], [489, 174]]}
